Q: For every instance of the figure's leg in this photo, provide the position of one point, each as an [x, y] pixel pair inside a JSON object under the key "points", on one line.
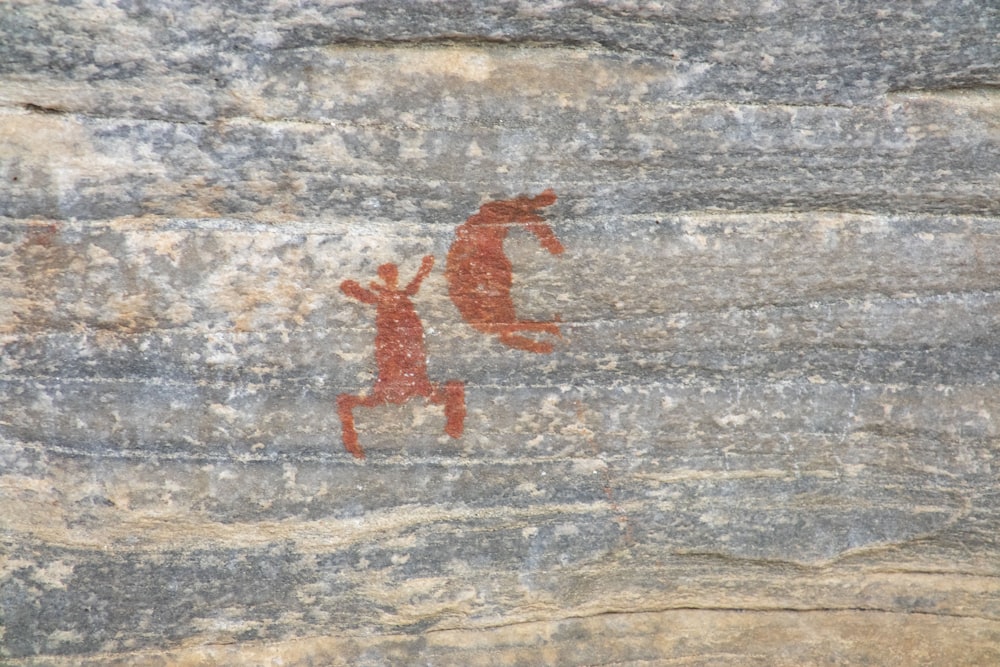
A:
{"points": [[454, 408], [453, 397], [345, 408]]}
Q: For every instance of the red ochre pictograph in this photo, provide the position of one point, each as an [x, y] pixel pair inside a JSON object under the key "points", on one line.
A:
{"points": [[399, 355], [480, 275]]}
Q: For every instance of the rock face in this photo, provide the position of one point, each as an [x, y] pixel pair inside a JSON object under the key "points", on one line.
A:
{"points": [[767, 427]]}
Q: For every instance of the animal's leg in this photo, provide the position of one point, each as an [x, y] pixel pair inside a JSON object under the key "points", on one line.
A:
{"points": [[453, 397], [509, 336], [546, 237], [547, 327], [511, 339], [345, 408]]}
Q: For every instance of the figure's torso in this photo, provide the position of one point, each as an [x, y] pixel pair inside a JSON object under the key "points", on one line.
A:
{"points": [[399, 349]]}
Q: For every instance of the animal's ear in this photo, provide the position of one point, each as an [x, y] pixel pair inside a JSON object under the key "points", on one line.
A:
{"points": [[546, 198]]}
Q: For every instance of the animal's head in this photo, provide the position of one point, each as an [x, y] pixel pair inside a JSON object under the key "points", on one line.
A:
{"points": [[520, 210]]}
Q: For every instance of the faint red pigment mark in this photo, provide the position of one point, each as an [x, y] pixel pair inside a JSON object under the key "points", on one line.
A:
{"points": [[609, 491], [480, 275], [399, 355], [42, 236]]}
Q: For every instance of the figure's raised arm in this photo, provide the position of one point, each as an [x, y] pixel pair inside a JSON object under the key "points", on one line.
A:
{"points": [[425, 268], [352, 289]]}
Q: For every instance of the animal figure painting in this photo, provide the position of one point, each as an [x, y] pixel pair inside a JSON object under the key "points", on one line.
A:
{"points": [[480, 275], [399, 355]]}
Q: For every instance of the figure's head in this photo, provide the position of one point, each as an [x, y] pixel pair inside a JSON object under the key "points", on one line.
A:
{"points": [[389, 273]]}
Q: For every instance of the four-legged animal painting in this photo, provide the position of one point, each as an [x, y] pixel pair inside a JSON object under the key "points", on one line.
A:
{"points": [[480, 275]]}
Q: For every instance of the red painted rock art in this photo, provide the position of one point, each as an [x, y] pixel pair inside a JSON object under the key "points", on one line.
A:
{"points": [[480, 275], [399, 355], [43, 236]]}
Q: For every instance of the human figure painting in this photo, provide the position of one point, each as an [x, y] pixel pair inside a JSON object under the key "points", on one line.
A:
{"points": [[400, 355]]}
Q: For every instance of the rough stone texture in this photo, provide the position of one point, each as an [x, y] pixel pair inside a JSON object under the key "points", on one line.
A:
{"points": [[767, 435]]}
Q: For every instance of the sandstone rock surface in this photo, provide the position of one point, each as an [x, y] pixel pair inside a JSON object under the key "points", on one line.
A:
{"points": [[767, 434]]}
